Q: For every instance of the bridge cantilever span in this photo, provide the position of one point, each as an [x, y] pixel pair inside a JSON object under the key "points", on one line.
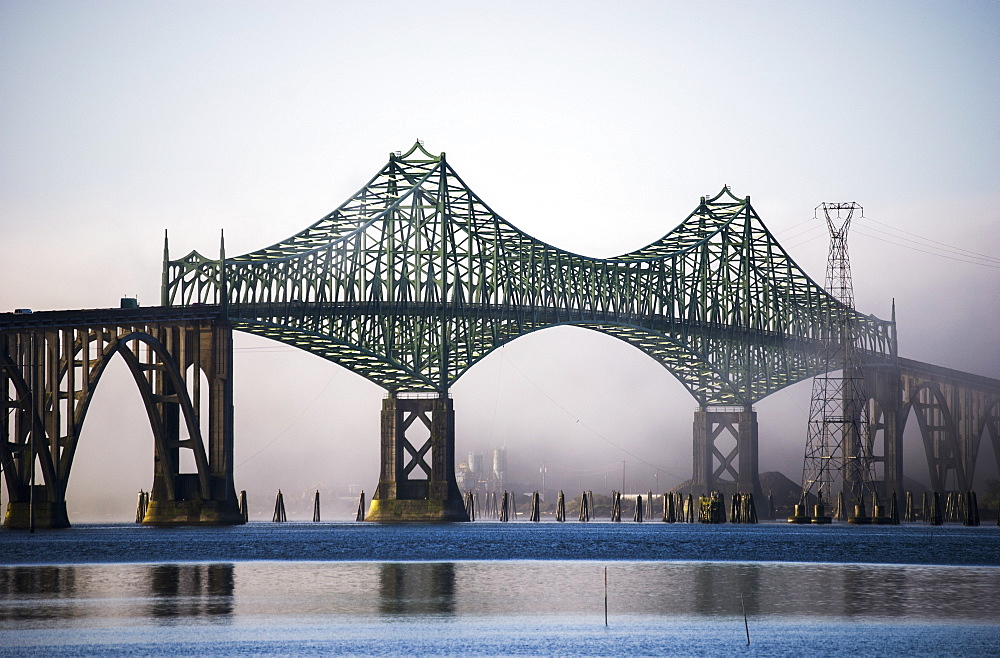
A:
{"points": [[414, 279]]}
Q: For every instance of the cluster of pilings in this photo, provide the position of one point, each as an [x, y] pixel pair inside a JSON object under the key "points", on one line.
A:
{"points": [[958, 507], [953, 507], [712, 508], [616, 506], [676, 508], [535, 510], [280, 516], [743, 509]]}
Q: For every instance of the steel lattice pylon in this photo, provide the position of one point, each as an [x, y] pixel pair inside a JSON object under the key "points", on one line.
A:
{"points": [[838, 441], [415, 279]]}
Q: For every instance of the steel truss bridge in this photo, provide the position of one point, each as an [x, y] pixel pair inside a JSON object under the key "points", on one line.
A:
{"points": [[410, 283]]}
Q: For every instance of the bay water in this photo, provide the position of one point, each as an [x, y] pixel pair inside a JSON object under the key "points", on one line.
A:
{"points": [[488, 588]]}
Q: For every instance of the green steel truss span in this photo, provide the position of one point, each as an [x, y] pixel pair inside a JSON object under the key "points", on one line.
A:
{"points": [[414, 279]]}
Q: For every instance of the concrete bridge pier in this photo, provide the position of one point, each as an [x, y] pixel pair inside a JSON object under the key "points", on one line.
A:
{"points": [[714, 460], [417, 479], [207, 497], [883, 388], [52, 363]]}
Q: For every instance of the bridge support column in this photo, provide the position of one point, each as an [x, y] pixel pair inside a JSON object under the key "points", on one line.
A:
{"points": [[883, 387], [197, 500], [712, 464], [418, 438]]}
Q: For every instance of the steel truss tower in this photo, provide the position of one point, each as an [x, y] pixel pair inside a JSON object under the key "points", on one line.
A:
{"points": [[838, 450]]}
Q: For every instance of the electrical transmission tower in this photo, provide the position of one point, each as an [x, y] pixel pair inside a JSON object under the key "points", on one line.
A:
{"points": [[838, 454]]}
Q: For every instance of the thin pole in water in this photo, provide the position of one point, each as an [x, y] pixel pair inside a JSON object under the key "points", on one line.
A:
{"points": [[606, 596], [745, 623]]}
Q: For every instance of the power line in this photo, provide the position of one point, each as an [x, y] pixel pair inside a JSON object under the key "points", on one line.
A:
{"points": [[805, 232], [789, 228], [931, 253], [934, 244], [291, 424], [807, 240]]}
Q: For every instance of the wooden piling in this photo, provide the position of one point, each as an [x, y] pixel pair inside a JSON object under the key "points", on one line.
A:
{"points": [[139, 513], [360, 516], [279, 509], [637, 517], [316, 507], [470, 506], [924, 509], [584, 508], [972, 505], [504, 517], [771, 512], [535, 507], [616, 506], [934, 518], [244, 512], [908, 514], [669, 512], [893, 510], [561, 507], [689, 509]]}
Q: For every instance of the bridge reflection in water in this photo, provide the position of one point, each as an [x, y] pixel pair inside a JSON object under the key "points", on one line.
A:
{"points": [[338, 593]]}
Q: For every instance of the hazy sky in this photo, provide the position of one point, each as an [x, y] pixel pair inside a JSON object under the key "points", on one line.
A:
{"points": [[593, 126]]}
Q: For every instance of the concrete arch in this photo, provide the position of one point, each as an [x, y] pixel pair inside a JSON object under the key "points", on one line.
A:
{"points": [[36, 422], [990, 424], [938, 432], [153, 404]]}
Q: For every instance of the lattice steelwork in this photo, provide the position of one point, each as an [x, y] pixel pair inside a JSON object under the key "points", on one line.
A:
{"points": [[838, 442], [414, 279]]}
